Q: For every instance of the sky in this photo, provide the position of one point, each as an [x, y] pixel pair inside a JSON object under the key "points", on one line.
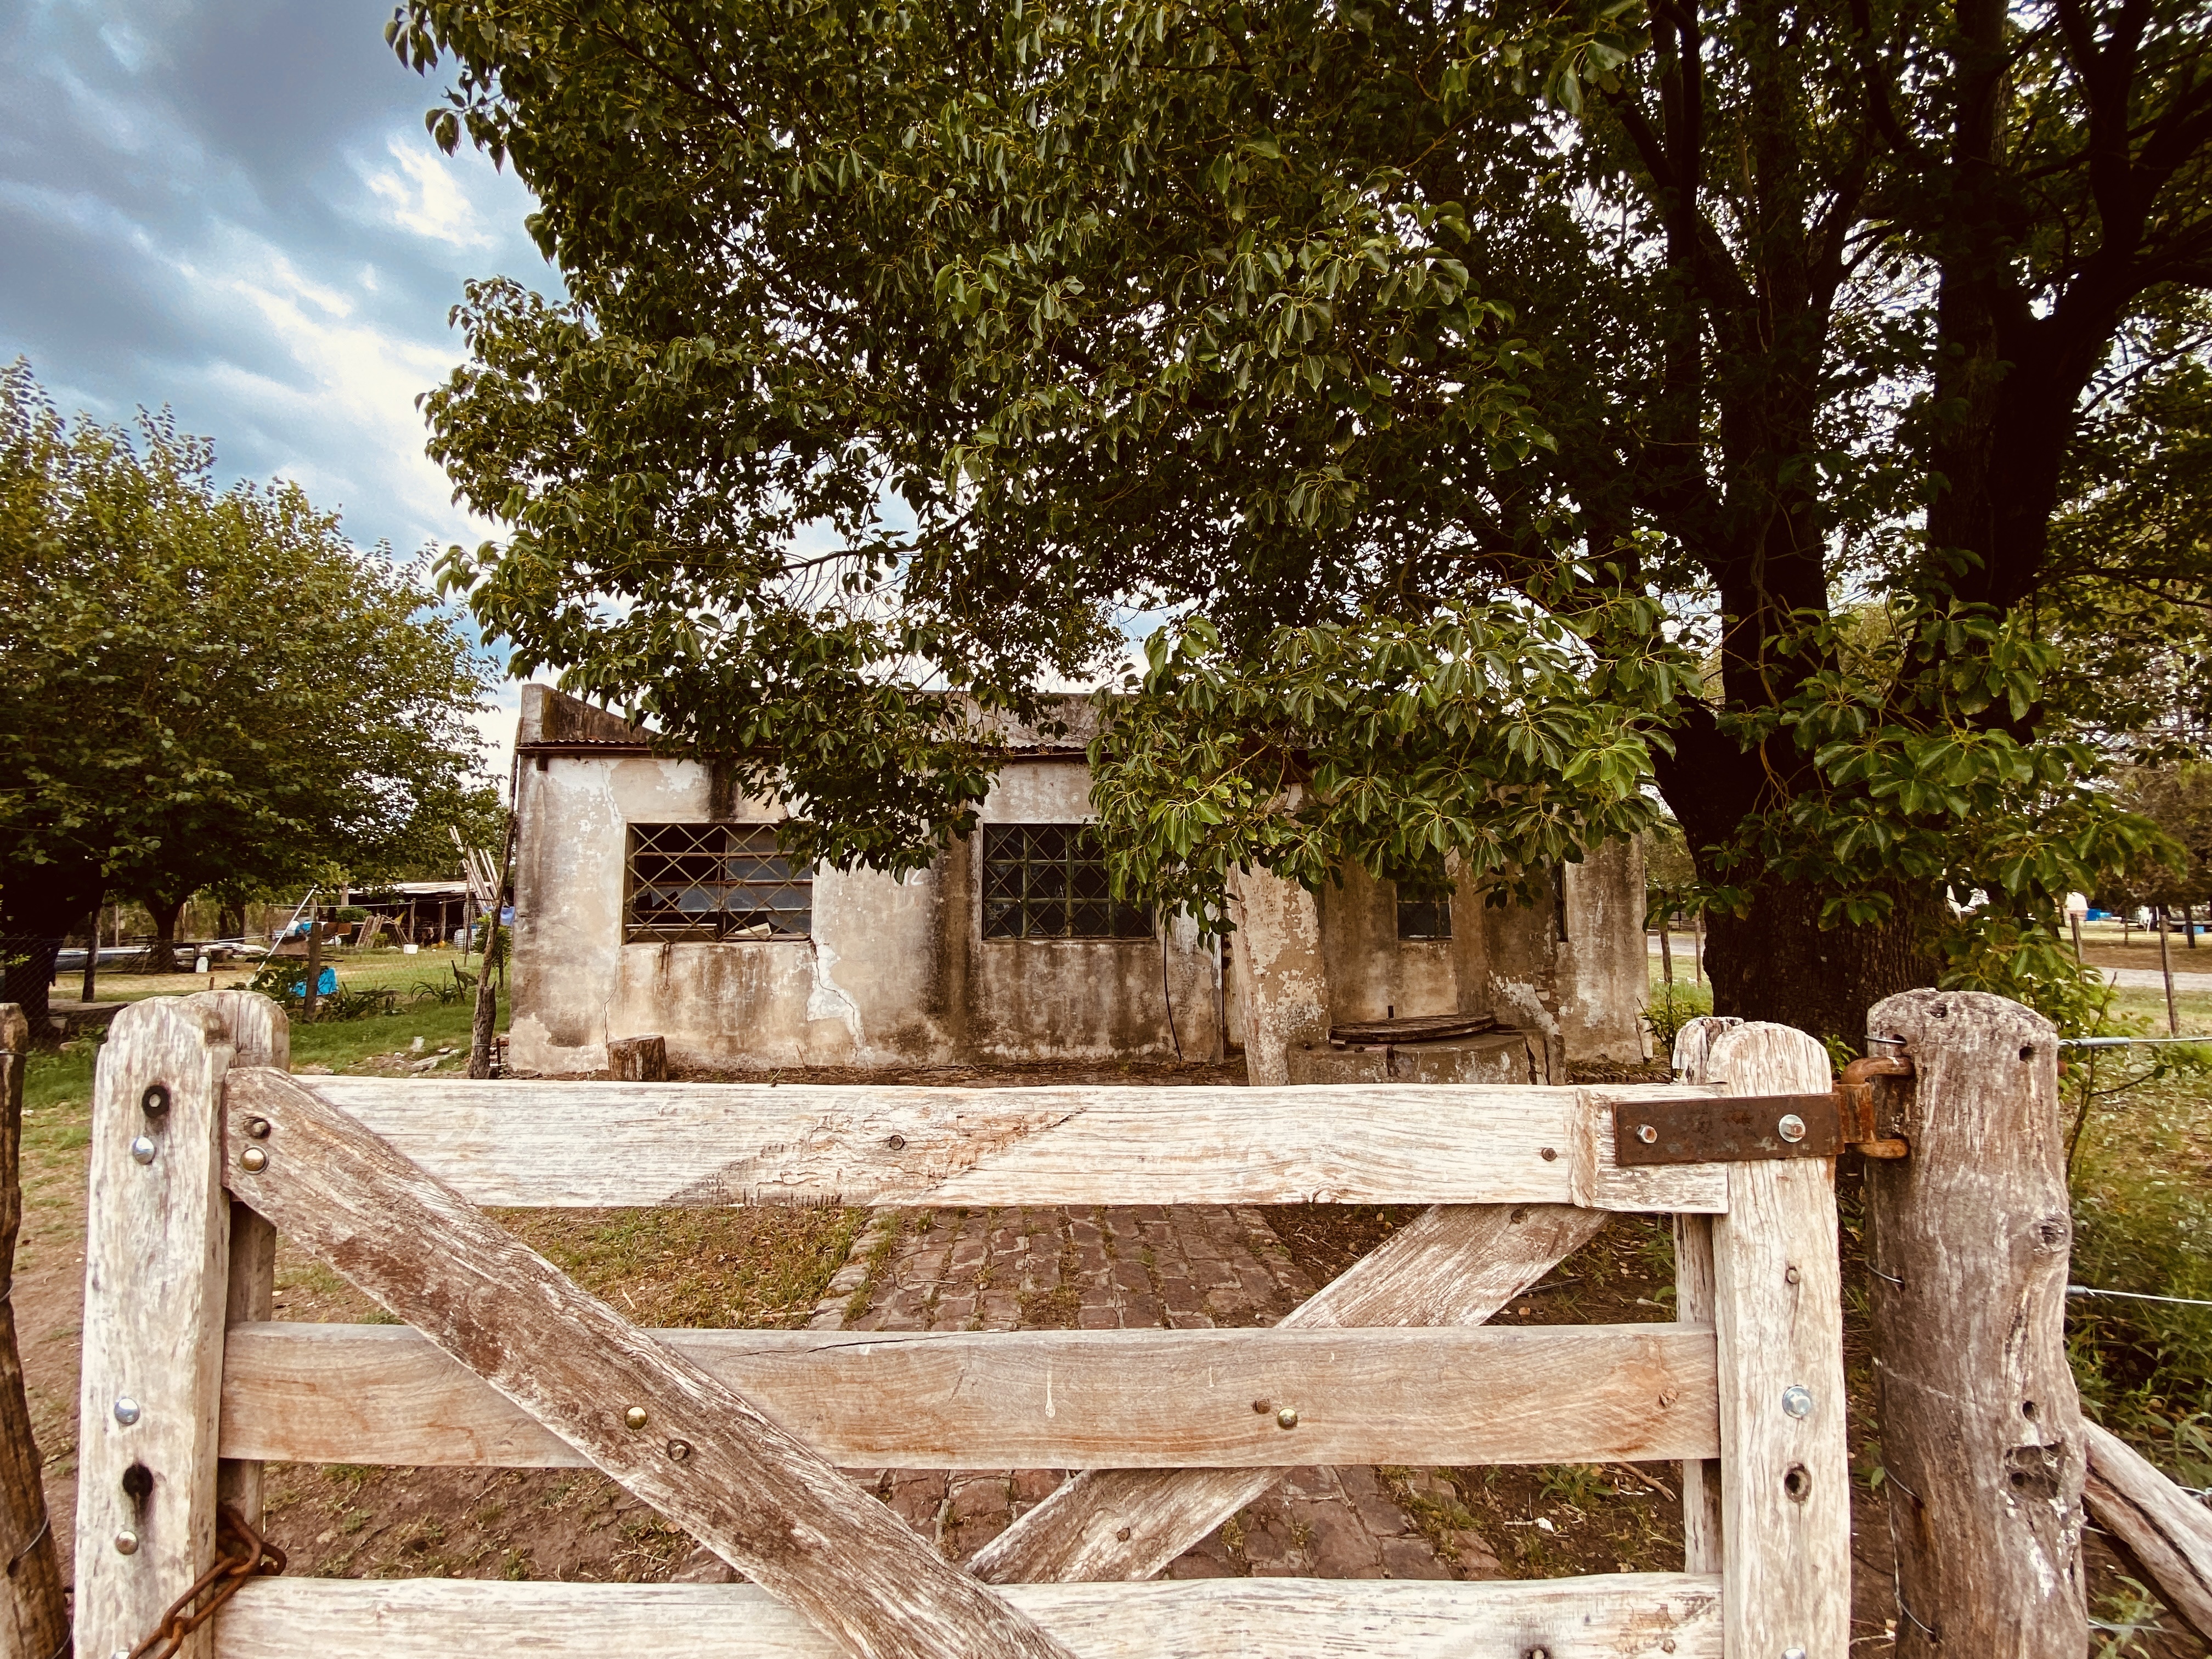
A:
{"points": [[231, 207]]}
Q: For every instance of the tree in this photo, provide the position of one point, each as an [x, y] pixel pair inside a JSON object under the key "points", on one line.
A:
{"points": [[204, 689], [1742, 358]]}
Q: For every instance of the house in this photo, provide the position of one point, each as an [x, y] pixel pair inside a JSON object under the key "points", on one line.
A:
{"points": [[650, 899]]}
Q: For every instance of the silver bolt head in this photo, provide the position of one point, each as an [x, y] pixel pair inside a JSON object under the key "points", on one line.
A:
{"points": [[253, 1160], [634, 1416], [142, 1149], [127, 1411], [1287, 1418], [1646, 1133], [127, 1542], [1793, 1652], [1792, 1128], [1797, 1400]]}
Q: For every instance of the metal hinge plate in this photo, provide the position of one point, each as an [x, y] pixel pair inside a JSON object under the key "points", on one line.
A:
{"points": [[1727, 1129], [1861, 1112]]}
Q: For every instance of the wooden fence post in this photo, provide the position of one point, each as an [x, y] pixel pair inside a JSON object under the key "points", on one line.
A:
{"points": [[37, 1623], [1785, 1504], [1981, 1430], [157, 1260]]}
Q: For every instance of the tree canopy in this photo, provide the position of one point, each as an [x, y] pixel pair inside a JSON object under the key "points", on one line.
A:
{"points": [[1498, 409], [203, 687]]}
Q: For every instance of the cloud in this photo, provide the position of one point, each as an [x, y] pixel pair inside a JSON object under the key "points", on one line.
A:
{"points": [[232, 209], [421, 194]]}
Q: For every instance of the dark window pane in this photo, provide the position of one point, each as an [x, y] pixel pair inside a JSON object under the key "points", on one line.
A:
{"points": [[705, 881], [1424, 918]]}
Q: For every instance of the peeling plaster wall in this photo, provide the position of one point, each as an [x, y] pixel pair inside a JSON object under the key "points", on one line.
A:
{"points": [[896, 972], [1371, 969], [1572, 970]]}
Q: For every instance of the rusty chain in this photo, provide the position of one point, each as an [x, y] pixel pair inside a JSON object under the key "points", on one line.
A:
{"points": [[240, 1554]]}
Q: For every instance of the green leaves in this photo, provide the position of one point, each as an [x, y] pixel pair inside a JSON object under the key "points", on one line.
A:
{"points": [[1467, 742]]}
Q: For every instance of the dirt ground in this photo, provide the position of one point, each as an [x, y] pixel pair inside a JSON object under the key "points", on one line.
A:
{"points": [[769, 1267]]}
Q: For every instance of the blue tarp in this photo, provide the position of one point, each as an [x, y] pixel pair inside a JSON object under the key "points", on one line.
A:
{"points": [[325, 983]]}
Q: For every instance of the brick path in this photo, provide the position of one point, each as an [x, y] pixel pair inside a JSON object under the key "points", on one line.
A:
{"points": [[1184, 1269]]}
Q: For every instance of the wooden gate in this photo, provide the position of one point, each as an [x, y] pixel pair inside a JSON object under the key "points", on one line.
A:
{"points": [[203, 1148]]}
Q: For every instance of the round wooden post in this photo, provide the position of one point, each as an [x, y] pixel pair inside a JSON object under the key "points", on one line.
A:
{"points": [[1982, 1435]]}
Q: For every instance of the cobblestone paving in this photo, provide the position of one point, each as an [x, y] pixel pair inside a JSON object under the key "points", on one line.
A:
{"points": [[1183, 1269]]}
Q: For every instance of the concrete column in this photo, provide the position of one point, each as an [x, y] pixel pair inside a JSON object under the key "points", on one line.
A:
{"points": [[1282, 985], [1604, 977]]}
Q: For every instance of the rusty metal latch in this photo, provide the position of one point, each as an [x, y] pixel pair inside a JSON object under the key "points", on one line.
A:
{"points": [[1735, 1128]]}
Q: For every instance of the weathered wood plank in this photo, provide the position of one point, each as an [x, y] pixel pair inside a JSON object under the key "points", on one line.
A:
{"points": [[34, 1619], [2168, 1532], [698, 1453], [157, 1256], [1454, 1265], [1778, 1302], [1693, 1305], [1646, 1615], [1982, 1430], [1055, 1400], [261, 1034], [528, 1144]]}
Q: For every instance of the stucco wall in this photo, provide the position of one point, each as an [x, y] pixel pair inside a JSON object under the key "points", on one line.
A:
{"points": [[896, 972], [1371, 969]]}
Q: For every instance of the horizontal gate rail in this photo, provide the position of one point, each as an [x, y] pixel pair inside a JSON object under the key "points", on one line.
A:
{"points": [[1460, 1396], [201, 1141], [606, 1145], [1604, 1617]]}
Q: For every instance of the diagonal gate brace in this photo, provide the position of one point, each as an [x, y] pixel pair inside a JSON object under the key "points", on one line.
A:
{"points": [[656, 1423]]}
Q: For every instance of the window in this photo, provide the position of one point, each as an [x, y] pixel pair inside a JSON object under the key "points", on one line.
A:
{"points": [[1048, 881], [714, 881], [1423, 916]]}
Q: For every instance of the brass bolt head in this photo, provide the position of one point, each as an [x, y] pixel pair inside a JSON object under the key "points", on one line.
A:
{"points": [[1287, 1418], [634, 1416], [253, 1160]]}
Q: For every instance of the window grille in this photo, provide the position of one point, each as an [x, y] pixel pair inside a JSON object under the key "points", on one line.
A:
{"points": [[1423, 917], [714, 881], [1048, 881]]}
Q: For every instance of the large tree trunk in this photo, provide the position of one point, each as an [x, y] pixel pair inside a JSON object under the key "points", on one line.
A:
{"points": [[162, 956], [1777, 963], [39, 904]]}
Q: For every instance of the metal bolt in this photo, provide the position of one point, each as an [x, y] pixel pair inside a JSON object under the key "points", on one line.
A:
{"points": [[127, 1542], [897, 1143], [1646, 1133], [1791, 1276], [1792, 1128], [1262, 1406], [154, 1101], [253, 1160], [634, 1416], [679, 1449], [1548, 1153], [143, 1149], [127, 1411], [257, 1128], [1797, 1400], [1287, 1418], [1793, 1652]]}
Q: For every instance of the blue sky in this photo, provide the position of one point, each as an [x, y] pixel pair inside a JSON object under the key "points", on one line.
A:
{"points": [[231, 207]]}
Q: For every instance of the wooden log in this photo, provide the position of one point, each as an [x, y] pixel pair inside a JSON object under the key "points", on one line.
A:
{"points": [[532, 1144], [1662, 1615], [1981, 1430], [1054, 1400], [651, 1419], [637, 1059], [1777, 1305], [1693, 1305], [1454, 1265], [157, 1258], [36, 1622], [2167, 1532]]}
